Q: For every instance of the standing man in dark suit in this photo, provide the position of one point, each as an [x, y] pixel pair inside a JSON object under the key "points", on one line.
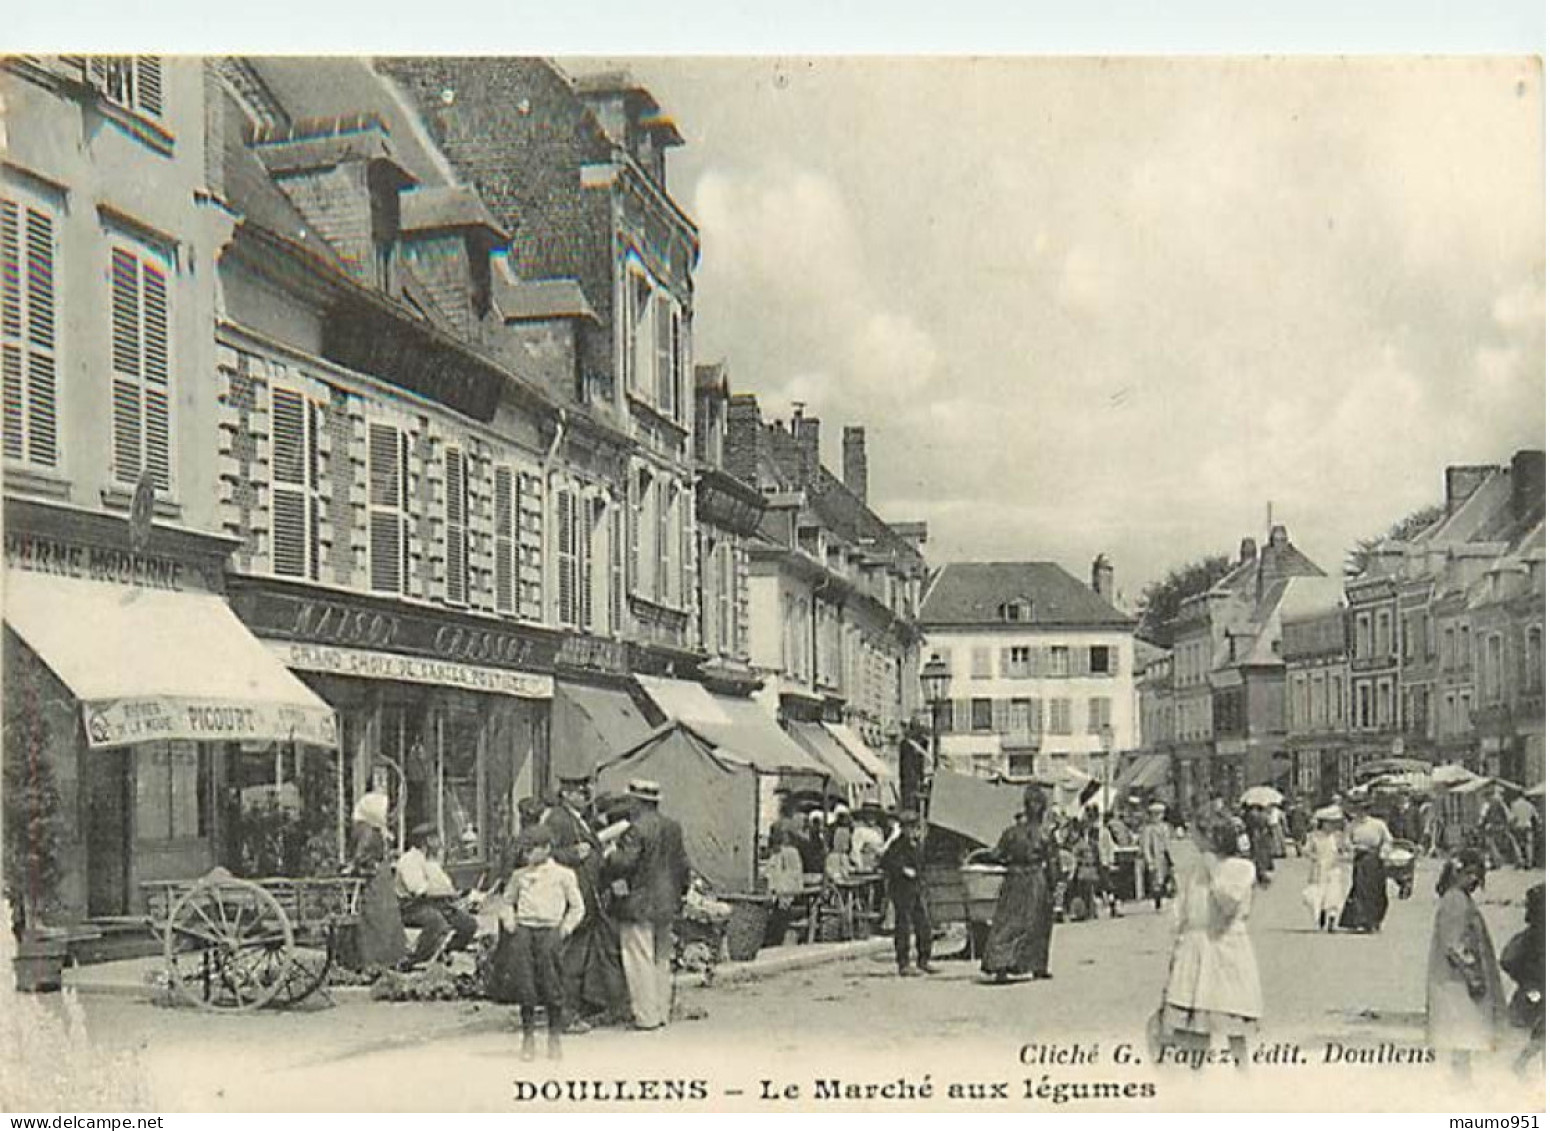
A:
{"points": [[589, 964], [650, 858], [902, 868]]}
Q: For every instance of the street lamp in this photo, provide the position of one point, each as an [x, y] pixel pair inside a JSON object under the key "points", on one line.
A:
{"points": [[935, 677], [1106, 744]]}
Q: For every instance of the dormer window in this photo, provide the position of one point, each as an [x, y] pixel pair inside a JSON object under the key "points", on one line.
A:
{"points": [[1019, 611]]}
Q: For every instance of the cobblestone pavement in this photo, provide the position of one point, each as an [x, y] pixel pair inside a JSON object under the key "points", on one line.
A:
{"points": [[859, 1022]]}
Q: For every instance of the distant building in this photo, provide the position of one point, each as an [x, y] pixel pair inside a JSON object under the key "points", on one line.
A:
{"points": [[1314, 646], [1043, 667]]}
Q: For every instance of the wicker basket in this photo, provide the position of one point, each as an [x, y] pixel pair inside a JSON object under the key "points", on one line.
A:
{"points": [[745, 930]]}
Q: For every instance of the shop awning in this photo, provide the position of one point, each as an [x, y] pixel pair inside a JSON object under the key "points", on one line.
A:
{"points": [[882, 775], [740, 727], [147, 664], [592, 726], [973, 807], [682, 699], [825, 748], [1146, 772]]}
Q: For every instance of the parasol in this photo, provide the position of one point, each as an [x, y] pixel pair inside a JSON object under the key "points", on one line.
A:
{"points": [[1261, 795]]}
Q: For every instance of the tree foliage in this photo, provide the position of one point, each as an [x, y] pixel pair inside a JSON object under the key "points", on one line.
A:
{"points": [[1359, 557], [1161, 600]]}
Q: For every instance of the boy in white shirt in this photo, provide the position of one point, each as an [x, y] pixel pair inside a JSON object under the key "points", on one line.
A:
{"points": [[544, 907]]}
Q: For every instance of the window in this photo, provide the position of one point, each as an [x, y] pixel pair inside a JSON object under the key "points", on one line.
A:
{"points": [[616, 545], [142, 373], [1364, 705], [1431, 635], [1385, 630], [1385, 703], [1019, 720], [388, 469], [1060, 716], [456, 529], [1294, 707], [1060, 663], [171, 783], [296, 506], [1017, 662], [29, 354], [979, 659], [1466, 649], [1336, 701], [1019, 765], [1363, 636], [1448, 650], [131, 81], [1449, 714], [980, 718], [1098, 660], [1493, 668], [1016, 612], [1099, 714]]}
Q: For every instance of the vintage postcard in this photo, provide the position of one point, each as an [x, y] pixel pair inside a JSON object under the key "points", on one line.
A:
{"points": [[766, 584]]}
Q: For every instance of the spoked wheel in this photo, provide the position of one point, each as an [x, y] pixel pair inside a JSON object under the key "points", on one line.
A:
{"points": [[228, 945]]}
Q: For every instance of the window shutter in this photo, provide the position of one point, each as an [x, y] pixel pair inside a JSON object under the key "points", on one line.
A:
{"points": [[662, 528], [127, 437], [290, 520], [28, 294], [963, 716], [565, 532], [1006, 664], [633, 517], [385, 456], [616, 568], [726, 595], [505, 541], [662, 325], [148, 84], [1081, 661], [583, 540], [1000, 720], [456, 529], [158, 431]]}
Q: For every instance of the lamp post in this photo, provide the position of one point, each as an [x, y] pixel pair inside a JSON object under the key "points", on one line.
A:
{"points": [[1106, 744], [934, 679]]}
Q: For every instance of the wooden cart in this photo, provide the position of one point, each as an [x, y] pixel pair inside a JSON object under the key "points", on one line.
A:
{"points": [[234, 944]]}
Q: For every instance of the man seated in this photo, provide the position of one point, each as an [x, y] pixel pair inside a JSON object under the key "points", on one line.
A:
{"points": [[427, 899]]}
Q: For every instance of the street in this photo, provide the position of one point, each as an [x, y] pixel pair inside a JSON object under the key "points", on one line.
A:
{"points": [[859, 1024]]}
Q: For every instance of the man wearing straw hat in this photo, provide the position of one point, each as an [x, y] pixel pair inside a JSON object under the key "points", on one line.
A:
{"points": [[650, 858]]}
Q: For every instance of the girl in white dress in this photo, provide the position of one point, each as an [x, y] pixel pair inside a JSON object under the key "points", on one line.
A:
{"points": [[1329, 868], [1213, 983]]}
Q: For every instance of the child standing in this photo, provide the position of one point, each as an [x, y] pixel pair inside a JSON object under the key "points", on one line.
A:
{"points": [[544, 907]]}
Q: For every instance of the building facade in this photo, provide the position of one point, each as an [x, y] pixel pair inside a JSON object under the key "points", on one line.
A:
{"points": [[1042, 666]]}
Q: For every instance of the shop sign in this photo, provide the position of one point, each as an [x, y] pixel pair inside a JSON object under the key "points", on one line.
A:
{"points": [[364, 664], [342, 623], [37, 553], [594, 655], [119, 722]]}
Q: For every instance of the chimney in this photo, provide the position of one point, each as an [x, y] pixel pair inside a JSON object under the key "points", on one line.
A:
{"points": [[745, 431], [1103, 578], [855, 461], [1248, 550], [805, 429], [1528, 482], [1278, 538], [1464, 481]]}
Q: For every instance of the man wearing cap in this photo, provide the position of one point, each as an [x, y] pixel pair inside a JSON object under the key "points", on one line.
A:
{"points": [[902, 868], [427, 898], [1155, 837], [650, 858], [590, 963]]}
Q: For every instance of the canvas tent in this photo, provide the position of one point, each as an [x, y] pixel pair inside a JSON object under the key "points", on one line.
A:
{"points": [[972, 807], [712, 793]]}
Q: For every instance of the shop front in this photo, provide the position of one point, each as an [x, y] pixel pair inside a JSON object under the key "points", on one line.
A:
{"points": [[446, 712], [135, 701]]}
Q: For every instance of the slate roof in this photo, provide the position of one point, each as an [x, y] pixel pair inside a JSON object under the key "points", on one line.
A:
{"points": [[536, 300], [436, 207], [971, 593]]}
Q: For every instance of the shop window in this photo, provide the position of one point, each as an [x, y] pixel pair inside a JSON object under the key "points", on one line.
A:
{"points": [[29, 346], [283, 810], [172, 783], [141, 363]]}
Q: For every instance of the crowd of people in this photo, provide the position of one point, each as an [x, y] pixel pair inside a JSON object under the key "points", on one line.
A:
{"points": [[585, 907]]}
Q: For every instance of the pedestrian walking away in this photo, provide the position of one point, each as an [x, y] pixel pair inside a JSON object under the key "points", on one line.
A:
{"points": [[651, 860], [1020, 929], [903, 870], [1465, 1007]]}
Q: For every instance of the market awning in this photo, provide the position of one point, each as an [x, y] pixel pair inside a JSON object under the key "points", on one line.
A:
{"points": [[887, 786], [740, 727], [1146, 772], [973, 807], [147, 664], [825, 748], [592, 726]]}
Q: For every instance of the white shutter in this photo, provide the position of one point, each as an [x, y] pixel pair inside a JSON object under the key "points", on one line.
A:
{"points": [[127, 413], [616, 520], [148, 85], [506, 519], [456, 528], [633, 518], [386, 467], [582, 516], [291, 517], [530, 532], [142, 368], [28, 344], [565, 556]]}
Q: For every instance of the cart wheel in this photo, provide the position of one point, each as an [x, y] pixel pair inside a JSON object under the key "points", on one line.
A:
{"points": [[304, 974], [227, 944]]}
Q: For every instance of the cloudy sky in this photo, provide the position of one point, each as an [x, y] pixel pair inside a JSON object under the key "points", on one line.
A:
{"points": [[1120, 305]]}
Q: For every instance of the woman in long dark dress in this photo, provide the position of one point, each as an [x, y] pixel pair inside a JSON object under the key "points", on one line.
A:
{"points": [[1368, 903], [1025, 913], [379, 935]]}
